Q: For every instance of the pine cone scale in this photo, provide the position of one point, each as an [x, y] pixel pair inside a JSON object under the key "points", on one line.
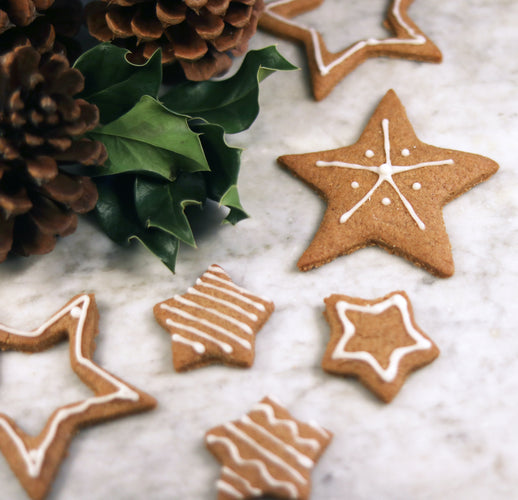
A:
{"points": [[42, 168], [145, 26], [171, 14]]}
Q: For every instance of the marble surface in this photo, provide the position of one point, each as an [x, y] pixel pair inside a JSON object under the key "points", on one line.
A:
{"points": [[451, 431]]}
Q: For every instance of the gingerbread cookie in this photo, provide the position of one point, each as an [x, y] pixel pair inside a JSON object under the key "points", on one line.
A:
{"points": [[214, 322], [377, 341], [35, 459], [387, 189], [266, 452], [327, 68]]}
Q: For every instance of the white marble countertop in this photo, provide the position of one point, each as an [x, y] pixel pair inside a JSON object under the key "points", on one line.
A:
{"points": [[451, 431]]}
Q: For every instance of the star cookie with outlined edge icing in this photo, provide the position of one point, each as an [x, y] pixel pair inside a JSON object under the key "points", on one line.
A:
{"points": [[266, 452], [216, 321], [407, 41], [387, 189], [377, 341], [35, 459]]}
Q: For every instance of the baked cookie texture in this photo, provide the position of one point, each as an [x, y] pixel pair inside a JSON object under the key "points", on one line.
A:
{"points": [[387, 189], [266, 452], [214, 322], [35, 459], [376, 341], [405, 40]]}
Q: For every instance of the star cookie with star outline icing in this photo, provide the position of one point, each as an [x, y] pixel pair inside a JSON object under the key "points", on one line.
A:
{"points": [[266, 452], [405, 41], [216, 321], [387, 189], [35, 459], [377, 341]]}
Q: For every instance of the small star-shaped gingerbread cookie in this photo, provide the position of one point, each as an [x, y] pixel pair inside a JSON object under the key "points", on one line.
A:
{"points": [[266, 452], [328, 68], [35, 459], [387, 189], [376, 341], [215, 321]]}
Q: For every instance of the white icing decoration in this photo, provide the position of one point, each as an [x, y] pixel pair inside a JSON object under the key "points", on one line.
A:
{"points": [[227, 471], [405, 152], [414, 38], [355, 185], [263, 470], [195, 331], [35, 457], [385, 173], [369, 153], [416, 186], [197, 346], [228, 489], [386, 201], [387, 374]]}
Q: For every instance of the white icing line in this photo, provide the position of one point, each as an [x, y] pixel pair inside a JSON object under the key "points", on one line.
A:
{"points": [[319, 429], [222, 345], [196, 346], [238, 296], [35, 457], [260, 465], [228, 489], [243, 326], [302, 459], [265, 452], [209, 324], [385, 173], [227, 303], [251, 490], [268, 411], [386, 374], [414, 37]]}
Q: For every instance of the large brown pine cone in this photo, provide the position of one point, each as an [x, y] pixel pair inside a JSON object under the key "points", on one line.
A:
{"points": [[45, 24], [199, 34], [40, 122]]}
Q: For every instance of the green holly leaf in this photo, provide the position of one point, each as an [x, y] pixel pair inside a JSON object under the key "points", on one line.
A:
{"points": [[113, 83], [150, 138], [231, 103]]}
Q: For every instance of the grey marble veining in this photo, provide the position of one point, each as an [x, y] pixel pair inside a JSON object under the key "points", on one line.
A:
{"points": [[451, 431]]}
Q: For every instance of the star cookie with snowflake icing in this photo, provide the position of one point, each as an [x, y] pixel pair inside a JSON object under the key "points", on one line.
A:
{"points": [[266, 453], [387, 189], [377, 341], [405, 41], [35, 459]]}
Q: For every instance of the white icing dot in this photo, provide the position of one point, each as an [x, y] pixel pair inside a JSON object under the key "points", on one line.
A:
{"points": [[355, 185], [76, 312], [386, 201], [385, 169], [369, 153], [416, 186], [405, 152]]}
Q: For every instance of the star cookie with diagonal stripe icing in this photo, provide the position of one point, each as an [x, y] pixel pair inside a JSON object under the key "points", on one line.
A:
{"points": [[405, 41], [214, 322], [377, 341], [266, 452], [387, 189], [35, 459]]}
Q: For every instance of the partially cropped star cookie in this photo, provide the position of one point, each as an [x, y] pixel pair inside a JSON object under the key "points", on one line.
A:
{"points": [[266, 452], [214, 322], [387, 189], [405, 41], [35, 459], [377, 341]]}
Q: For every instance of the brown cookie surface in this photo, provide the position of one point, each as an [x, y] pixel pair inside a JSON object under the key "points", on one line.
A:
{"points": [[35, 459], [387, 189], [405, 41], [214, 322], [376, 341], [266, 452]]}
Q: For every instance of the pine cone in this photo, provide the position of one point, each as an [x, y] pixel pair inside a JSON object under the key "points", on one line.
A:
{"points": [[47, 25], [39, 125], [198, 34]]}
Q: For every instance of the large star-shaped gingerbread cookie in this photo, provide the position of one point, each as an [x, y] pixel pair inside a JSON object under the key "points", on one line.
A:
{"points": [[387, 189], [327, 68], [35, 459]]}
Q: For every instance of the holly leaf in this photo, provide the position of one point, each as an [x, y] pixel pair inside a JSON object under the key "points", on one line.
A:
{"points": [[113, 83], [150, 138], [231, 103]]}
